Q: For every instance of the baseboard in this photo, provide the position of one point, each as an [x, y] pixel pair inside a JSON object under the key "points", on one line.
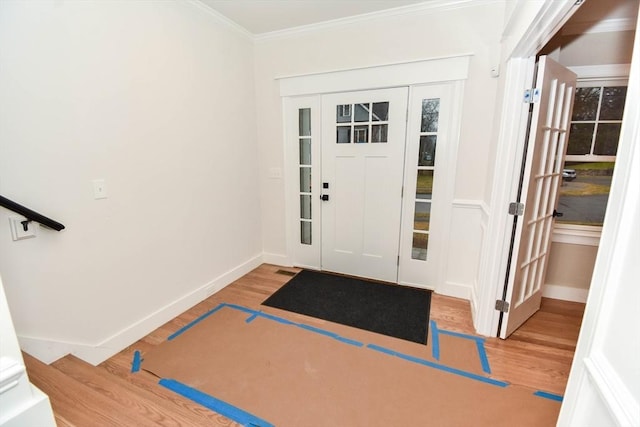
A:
{"points": [[276, 259], [34, 412], [49, 351], [565, 293], [455, 290]]}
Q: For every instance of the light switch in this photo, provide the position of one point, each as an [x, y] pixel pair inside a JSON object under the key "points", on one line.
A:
{"points": [[17, 228], [99, 189]]}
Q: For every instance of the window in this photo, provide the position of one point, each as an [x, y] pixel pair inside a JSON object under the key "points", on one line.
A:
{"points": [[304, 144], [372, 123], [424, 185], [591, 152]]}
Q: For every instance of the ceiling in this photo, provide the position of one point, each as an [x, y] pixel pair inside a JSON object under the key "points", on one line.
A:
{"points": [[264, 16]]}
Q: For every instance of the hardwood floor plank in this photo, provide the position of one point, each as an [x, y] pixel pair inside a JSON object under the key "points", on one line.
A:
{"points": [[75, 402]]}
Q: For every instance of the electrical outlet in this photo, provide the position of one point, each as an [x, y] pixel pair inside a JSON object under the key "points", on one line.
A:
{"points": [[17, 228]]}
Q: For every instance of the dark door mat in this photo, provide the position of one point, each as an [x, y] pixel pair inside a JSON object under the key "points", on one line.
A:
{"points": [[393, 310]]}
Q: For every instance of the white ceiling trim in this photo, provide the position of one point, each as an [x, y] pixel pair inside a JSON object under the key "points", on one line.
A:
{"points": [[420, 8], [221, 19]]}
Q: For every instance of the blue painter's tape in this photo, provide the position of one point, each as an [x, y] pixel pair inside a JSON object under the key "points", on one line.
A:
{"points": [[196, 321], [349, 341], [252, 318], [461, 335], [484, 361], [435, 340], [241, 308], [217, 405], [438, 366], [277, 319], [317, 330], [546, 395], [135, 365]]}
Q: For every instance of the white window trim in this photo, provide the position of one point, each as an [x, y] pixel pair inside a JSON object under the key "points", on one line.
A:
{"points": [[589, 235]]}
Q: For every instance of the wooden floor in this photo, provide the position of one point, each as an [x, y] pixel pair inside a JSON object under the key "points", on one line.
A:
{"points": [[538, 356]]}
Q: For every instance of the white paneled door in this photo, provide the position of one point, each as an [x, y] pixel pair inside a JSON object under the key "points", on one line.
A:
{"points": [[542, 177], [363, 143]]}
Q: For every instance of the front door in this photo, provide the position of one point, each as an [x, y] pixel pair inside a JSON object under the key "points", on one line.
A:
{"points": [[540, 182], [363, 142]]}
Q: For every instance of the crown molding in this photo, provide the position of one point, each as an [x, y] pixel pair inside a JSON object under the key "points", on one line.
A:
{"points": [[604, 26], [420, 8], [221, 19]]}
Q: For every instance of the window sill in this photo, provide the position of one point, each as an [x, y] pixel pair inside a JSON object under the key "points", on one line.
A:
{"points": [[576, 234]]}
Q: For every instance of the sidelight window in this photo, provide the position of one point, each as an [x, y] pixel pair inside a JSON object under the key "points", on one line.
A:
{"points": [[424, 185]]}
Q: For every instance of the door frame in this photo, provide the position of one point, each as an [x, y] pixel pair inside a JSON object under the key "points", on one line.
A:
{"points": [[307, 89], [513, 123]]}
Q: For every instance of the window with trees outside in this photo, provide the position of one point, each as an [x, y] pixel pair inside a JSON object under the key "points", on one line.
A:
{"points": [[591, 152]]}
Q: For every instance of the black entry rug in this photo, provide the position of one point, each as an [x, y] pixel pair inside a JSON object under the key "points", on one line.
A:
{"points": [[397, 311]]}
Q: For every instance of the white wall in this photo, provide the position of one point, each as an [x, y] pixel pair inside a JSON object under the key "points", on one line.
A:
{"points": [[473, 28], [157, 99]]}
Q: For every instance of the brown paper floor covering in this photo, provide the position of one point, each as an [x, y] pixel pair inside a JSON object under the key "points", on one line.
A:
{"points": [[290, 373]]}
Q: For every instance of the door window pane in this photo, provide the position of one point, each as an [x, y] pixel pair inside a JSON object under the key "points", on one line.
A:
{"points": [[361, 134], [343, 134], [305, 232], [305, 151], [422, 215], [305, 206], [427, 155], [419, 247], [362, 113], [343, 113], [607, 137], [304, 121], [430, 114], [305, 180], [379, 133], [380, 112], [424, 186]]}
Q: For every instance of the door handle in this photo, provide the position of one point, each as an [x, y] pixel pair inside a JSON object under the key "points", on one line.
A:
{"points": [[557, 214], [324, 197]]}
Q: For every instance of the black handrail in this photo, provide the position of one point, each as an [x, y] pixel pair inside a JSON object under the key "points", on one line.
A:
{"points": [[30, 215]]}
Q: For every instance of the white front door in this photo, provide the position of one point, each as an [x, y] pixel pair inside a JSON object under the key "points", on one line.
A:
{"points": [[363, 142], [541, 179]]}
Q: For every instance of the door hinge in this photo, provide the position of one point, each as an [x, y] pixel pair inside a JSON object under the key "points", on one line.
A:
{"points": [[531, 96], [516, 208], [502, 306], [398, 262], [402, 192]]}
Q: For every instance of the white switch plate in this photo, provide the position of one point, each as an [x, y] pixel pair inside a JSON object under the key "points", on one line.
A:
{"points": [[99, 189], [17, 229]]}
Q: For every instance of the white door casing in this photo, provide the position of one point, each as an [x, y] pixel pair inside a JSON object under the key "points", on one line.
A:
{"points": [[542, 177], [362, 182]]}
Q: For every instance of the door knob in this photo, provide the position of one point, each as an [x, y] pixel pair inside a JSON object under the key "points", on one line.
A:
{"points": [[557, 214], [324, 197]]}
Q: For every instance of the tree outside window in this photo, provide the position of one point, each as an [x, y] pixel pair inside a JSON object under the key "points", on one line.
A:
{"points": [[591, 153]]}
